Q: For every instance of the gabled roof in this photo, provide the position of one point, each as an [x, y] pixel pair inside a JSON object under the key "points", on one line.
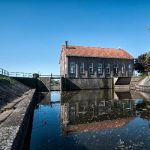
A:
{"points": [[96, 52]]}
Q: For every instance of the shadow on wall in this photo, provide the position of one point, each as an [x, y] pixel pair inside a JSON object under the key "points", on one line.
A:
{"points": [[69, 84], [33, 83]]}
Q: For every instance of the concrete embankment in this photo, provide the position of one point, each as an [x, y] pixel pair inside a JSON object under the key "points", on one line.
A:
{"points": [[16, 113], [144, 85], [9, 90]]}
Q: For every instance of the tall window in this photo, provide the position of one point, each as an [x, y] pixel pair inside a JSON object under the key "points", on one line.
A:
{"points": [[107, 68], [123, 68], [82, 68], [130, 68], [99, 68], [91, 68], [72, 67], [115, 65]]}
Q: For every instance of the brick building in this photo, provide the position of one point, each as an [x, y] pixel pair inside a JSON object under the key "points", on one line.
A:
{"points": [[91, 62]]}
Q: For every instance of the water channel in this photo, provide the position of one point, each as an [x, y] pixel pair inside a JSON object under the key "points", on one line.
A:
{"points": [[91, 120]]}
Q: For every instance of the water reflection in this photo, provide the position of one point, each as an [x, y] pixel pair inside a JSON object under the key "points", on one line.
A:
{"points": [[91, 120], [101, 109]]}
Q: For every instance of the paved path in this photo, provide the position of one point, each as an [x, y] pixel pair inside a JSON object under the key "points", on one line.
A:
{"points": [[11, 119]]}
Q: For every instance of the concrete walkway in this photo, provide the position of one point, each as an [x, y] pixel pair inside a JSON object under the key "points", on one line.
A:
{"points": [[12, 121]]}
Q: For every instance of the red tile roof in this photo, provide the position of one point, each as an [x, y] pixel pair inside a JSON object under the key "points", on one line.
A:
{"points": [[94, 126], [96, 52]]}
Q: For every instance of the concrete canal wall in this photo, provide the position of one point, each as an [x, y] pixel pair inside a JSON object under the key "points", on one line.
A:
{"points": [[16, 102], [41, 84], [68, 84], [10, 89], [144, 85]]}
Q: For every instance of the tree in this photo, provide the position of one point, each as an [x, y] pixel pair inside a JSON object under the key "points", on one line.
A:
{"points": [[147, 64], [142, 63]]}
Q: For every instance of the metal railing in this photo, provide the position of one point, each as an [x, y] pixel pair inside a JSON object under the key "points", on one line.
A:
{"points": [[20, 74], [4, 72], [51, 76], [15, 74], [28, 75]]}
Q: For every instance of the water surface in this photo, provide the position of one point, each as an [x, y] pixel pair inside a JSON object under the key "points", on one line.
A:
{"points": [[91, 120]]}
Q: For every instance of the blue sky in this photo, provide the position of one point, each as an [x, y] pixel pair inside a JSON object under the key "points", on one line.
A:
{"points": [[32, 31]]}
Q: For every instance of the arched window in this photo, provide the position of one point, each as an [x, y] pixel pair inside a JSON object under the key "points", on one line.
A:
{"points": [[107, 68], [123, 68], [99, 68], [82, 68], [91, 68], [130, 68], [72, 67]]}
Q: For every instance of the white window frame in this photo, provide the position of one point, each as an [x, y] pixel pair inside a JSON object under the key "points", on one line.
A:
{"points": [[115, 65], [82, 71], [123, 68], [99, 68], [72, 67], [130, 68], [91, 68], [107, 68]]}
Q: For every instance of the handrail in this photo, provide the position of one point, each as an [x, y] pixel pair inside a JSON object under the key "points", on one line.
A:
{"points": [[20, 74], [4, 72], [15, 74], [23, 74], [51, 76]]}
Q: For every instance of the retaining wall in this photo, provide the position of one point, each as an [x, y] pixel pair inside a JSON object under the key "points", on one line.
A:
{"points": [[68, 84], [14, 129], [41, 84]]}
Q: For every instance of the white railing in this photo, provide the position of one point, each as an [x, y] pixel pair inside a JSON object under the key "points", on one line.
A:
{"points": [[4, 72]]}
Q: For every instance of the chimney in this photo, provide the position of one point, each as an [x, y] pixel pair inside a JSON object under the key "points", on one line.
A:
{"points": [[66, 42]]}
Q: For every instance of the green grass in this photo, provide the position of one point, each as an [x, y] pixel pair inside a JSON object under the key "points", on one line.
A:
{"points": [[7, 80]]}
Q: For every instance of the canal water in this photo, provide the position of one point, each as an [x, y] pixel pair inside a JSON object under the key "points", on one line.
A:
{"points": [[91, 120]]}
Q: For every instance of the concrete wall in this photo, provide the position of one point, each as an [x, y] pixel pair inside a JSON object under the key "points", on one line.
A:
{"points": [[44, 84], [9, 90], [15, 129], [68, 84], [30, 82], [41, 84]]}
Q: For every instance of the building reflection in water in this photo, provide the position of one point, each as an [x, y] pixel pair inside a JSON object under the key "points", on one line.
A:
{"points": [[100, 109]]}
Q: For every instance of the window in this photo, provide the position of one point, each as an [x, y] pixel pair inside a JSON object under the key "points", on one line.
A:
{"points": [[123, 68], [72, 67], [115, 65], [107, 68], [99, 68], [91, 68], [82, 68], [130, 68]]}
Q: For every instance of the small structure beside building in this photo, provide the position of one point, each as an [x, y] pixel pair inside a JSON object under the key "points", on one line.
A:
{"points": [[80, 62]]}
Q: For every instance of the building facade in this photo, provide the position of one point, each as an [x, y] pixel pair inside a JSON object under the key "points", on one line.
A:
{"points": [[92, 62]]}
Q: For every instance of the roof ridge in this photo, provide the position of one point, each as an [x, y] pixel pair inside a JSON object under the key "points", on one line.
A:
{"points": [[94, 47]]}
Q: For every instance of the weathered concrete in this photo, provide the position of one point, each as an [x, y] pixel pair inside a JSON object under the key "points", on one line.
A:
{"points": [[41, 84], [10, 89], [126, 83], [84, 84], [144, 85], [30, 82], [13, 128]]}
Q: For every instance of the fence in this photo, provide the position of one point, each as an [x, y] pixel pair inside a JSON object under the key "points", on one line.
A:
{"points": [[15, 74], [4, 72], [52, 76], [20, 74], [23, 74]]}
